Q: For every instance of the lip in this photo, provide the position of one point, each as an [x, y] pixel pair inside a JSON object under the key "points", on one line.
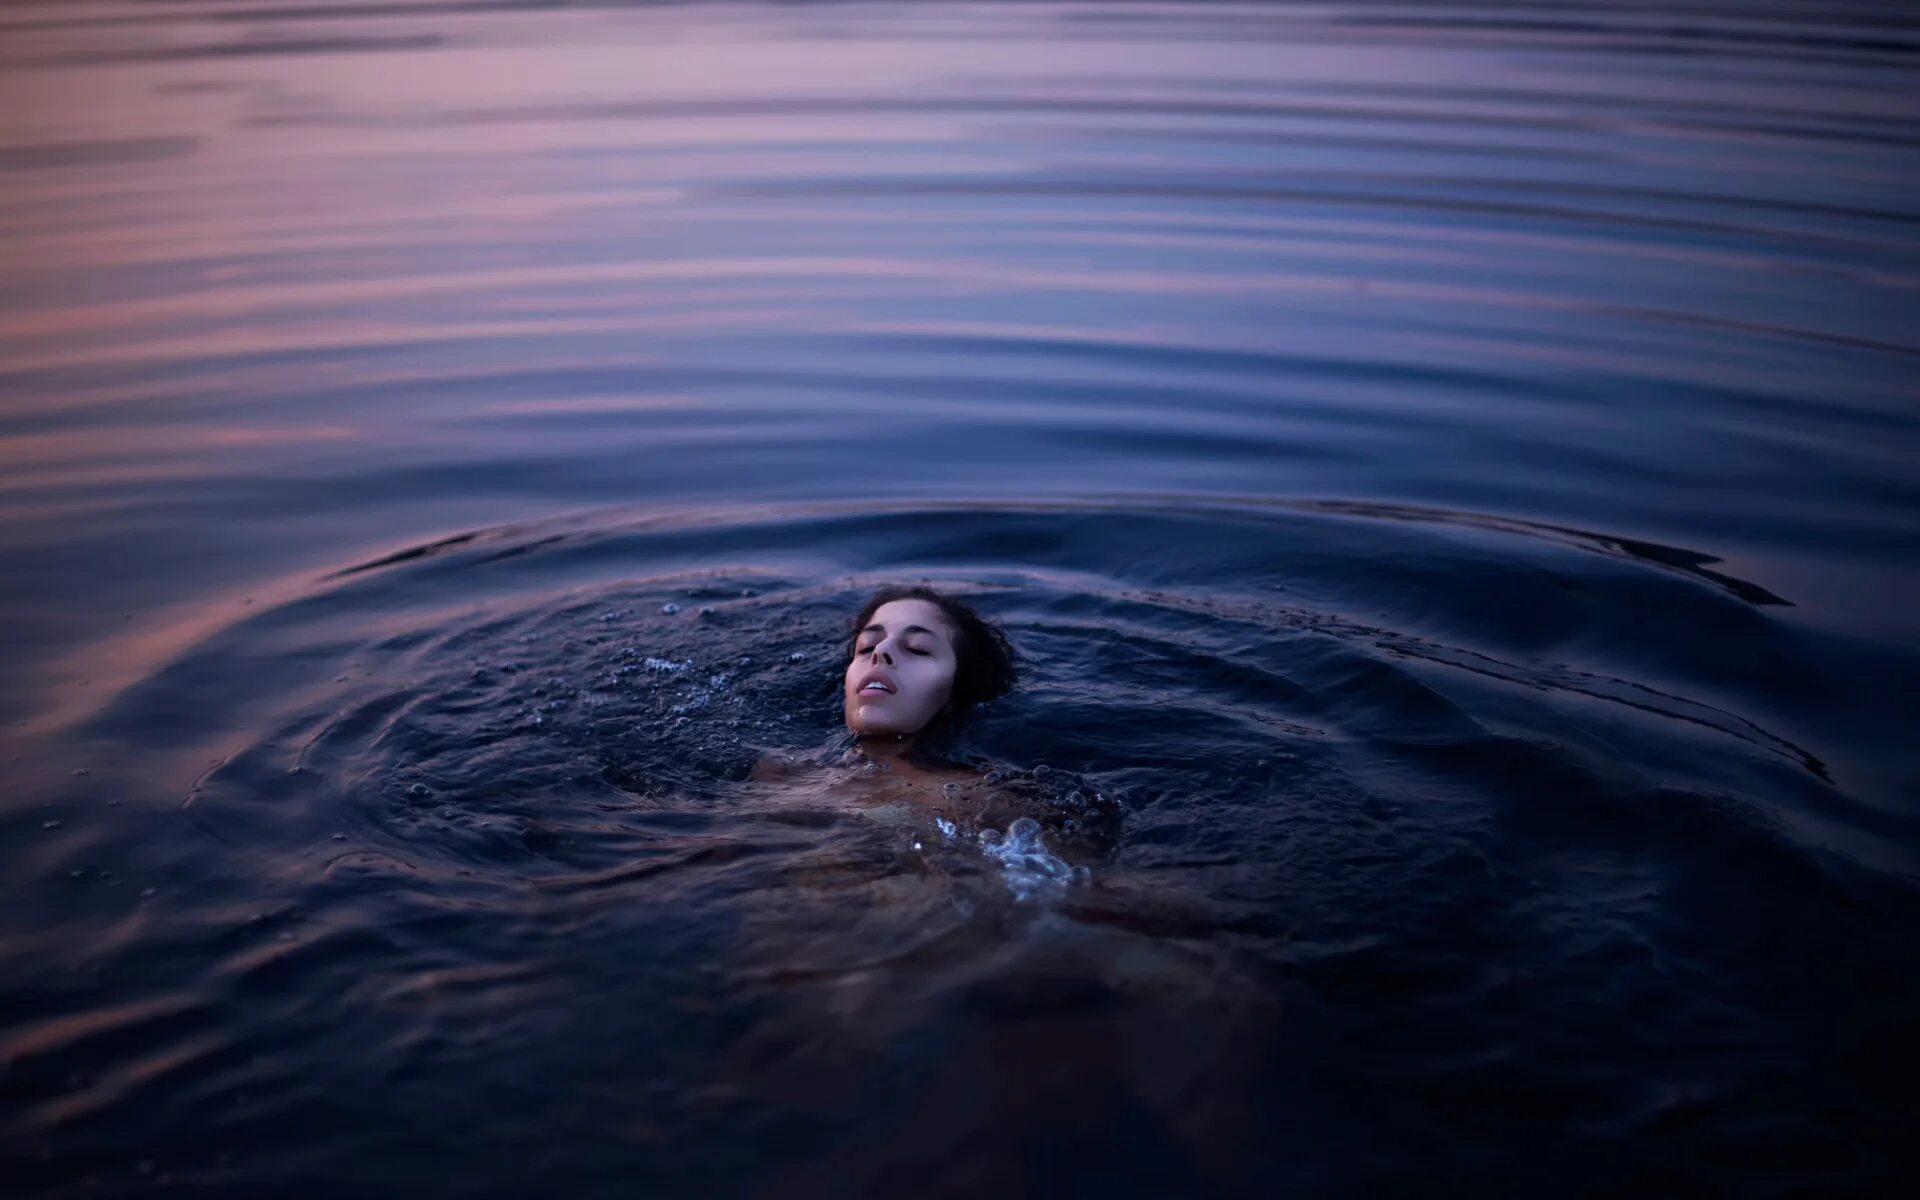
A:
{"points": [[860, 689]]}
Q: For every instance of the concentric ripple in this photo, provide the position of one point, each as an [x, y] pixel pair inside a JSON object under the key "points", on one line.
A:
{"points": [[1405, 801]]}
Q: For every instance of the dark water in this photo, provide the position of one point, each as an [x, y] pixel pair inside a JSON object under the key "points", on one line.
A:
{"points": [[1448, 470]]}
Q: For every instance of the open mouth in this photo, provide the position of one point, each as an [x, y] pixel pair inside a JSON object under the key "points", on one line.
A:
{"points": [[877, 685]]}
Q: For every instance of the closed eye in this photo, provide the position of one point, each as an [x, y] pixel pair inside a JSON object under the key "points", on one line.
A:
{"points": [[910, 650]]}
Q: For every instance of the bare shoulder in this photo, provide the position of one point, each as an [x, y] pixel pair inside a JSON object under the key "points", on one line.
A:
{"points": [[775, 765]]}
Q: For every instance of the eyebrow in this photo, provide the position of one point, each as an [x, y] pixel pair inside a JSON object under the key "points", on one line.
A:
{"points": [[881, 628]]}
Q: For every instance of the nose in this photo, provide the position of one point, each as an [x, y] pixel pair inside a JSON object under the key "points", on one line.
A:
{"points": [[881, 651]]}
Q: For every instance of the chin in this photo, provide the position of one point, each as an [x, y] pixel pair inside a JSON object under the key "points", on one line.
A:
{"points": [[868, 722]]}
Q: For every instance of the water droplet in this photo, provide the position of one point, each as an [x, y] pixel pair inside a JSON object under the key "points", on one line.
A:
{"points": [[669, 608]]}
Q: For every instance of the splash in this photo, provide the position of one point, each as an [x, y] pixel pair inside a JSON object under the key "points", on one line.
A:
{"points": [[1032, 871]]}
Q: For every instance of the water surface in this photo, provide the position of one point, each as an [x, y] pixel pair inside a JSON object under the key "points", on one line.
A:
{"points": [[1448, 469]]}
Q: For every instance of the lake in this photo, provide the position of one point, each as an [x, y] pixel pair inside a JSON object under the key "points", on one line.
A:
{"points": [[1447, 470]]}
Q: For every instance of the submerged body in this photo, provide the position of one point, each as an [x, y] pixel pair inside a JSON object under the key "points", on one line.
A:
{"points": [[947, 820], [894, 789]]}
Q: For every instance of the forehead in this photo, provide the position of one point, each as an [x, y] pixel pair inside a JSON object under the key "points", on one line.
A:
{"points": [[898, 614]]}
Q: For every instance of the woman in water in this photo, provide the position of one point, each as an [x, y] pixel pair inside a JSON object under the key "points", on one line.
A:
{"points": [[918, 664]]}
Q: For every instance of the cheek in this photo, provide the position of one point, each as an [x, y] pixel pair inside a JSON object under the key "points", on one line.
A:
{"points": [[935, 684]]}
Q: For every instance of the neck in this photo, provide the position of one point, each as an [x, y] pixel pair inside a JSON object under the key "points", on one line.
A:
{"points": [[893, 750]]}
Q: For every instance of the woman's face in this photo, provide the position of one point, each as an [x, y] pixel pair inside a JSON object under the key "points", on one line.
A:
{"points": [[902, 668]]}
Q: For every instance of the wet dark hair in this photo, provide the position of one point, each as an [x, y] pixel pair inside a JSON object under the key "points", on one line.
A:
{"points": [[984, 669]]}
